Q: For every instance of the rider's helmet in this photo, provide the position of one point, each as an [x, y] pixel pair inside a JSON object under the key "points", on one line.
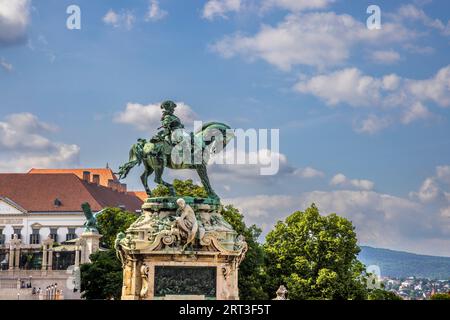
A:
{"points": [[168, 106]]}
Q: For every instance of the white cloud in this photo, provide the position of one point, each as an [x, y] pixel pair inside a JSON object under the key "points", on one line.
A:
{"points": [[319, 39], [416, 112], [411, 12], [385, 56], [296, 5], [429, 191], [424, 50], [341, 180], [63, 156], [8, 67], [24, 130], [381, 220], [390, 94], [308, 172], [14, 20], [219, 8], [111, 17], [433, 188], [124, 19], [148, 117], [349, 86], [247, 166], [443, 173], [155, 13], [435, 89], [24, 145], [445, 212], [373, 124]]}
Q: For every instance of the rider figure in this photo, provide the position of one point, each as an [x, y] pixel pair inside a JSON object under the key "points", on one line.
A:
{"points": [[170, 123]]}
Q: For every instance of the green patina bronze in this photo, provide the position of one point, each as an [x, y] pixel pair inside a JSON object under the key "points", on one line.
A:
{"points": [[91, 221], [163, 203], [167, 149]]}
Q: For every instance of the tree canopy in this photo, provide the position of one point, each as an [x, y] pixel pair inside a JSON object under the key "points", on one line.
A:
{"points": [[440, 296], [112, 221], [102, 279], [315, 257], [183, 188]]}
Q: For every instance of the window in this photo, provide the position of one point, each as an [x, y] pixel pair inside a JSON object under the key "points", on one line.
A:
{"points": [[17, 231], [54, 234], [34, 237], [57, 203], [71, 234]]}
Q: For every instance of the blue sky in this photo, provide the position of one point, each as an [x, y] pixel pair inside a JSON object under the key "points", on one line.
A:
{"points": [[363, 114]]}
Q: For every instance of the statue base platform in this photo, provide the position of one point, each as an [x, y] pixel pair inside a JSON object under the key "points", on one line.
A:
{"points": [[90, 241], [162, 260]]}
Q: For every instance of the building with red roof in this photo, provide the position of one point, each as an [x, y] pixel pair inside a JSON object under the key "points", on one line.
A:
{"points": [[47, 203]]}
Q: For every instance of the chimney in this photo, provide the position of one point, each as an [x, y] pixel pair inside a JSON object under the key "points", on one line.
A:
{"points": [[111, 184], [123, 187], [86, 176], [96, 179]]}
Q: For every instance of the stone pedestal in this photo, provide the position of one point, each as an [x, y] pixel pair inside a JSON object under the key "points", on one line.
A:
{"points": [[167, 255], [14, 253], [47, 254], [90, 243]]}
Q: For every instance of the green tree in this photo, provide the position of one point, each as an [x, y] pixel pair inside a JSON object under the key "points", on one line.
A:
{"points": [[380, 294], [440, 296], [102, 279], [112, 221], [183, 188], [315, 257], [251, 271]]}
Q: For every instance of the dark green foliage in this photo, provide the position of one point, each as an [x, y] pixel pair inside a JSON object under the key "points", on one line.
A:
{"points": [[380, 294], [112, 221], [315, 257], [185, 188], [251, 271], [440, 296], [102, 279]]}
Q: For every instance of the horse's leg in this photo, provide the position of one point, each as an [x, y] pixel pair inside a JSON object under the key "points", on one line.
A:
{"points": [[144, 178], [203, 174], [159, 180]]}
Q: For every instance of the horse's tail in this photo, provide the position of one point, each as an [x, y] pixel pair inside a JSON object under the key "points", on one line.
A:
{"points": [[215, 129], [135, 158]]}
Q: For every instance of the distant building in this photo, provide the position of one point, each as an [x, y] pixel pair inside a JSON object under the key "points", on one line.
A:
{"points": [[34, 206], [101, 176], [46, 203]]}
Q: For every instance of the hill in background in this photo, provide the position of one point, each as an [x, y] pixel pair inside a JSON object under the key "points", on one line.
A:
{"points": [[401, 264]]}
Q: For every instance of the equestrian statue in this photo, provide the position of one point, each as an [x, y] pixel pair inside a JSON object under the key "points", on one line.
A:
{"points": [[174, 148]]}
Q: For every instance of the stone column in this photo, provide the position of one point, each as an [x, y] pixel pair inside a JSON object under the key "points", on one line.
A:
{"points": [[44, 258], [50, 259], [77, 256], [151, 281], [14, 252], [47, 253], [92, 244], [17, 257], [11, 257]]}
